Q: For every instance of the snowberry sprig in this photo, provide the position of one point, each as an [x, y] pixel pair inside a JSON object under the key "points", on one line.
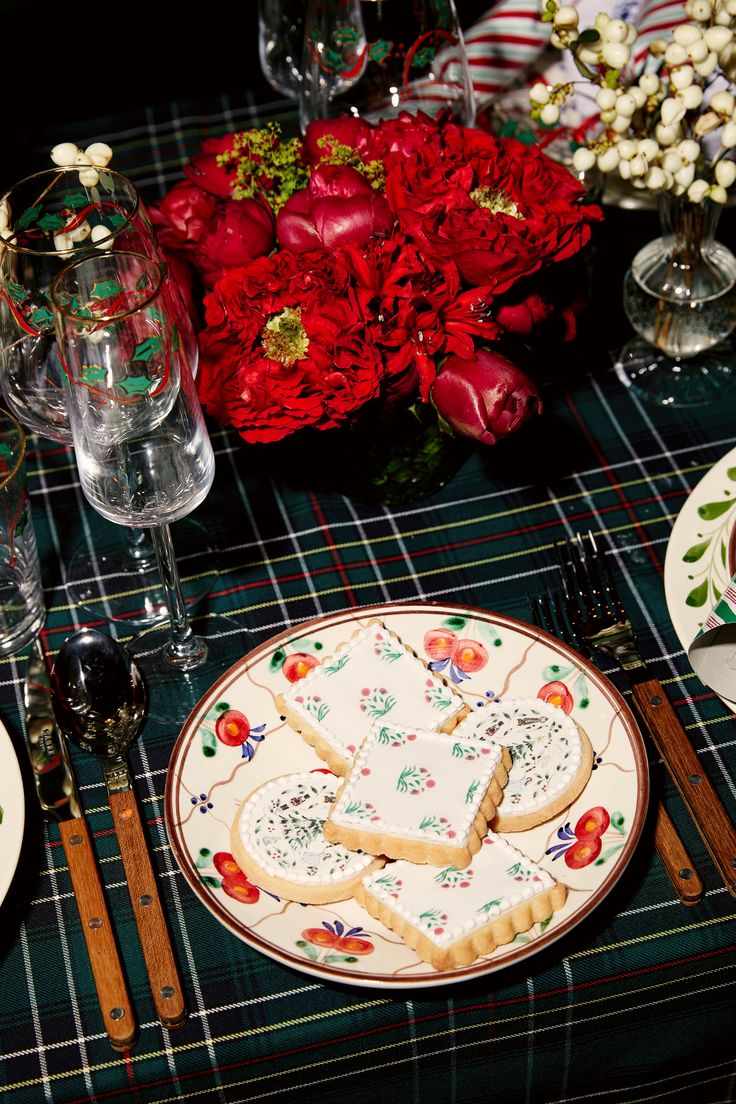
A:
{"points": [[66, 155], [670, 125]]}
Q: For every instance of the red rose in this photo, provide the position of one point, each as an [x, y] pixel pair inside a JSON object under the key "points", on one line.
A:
{"points": [[285, 346], [486, 398], [237, 233], [181, 216], [337, 207], [205, 171]]}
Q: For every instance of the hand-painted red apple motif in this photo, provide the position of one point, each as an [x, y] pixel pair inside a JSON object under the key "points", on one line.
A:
{"points": [[234, 881], [297, 665], [469, 656], [439, 643], [583, 853], [232, 728], [582, 844], [556, 693], [593, 823], [329, 937]]}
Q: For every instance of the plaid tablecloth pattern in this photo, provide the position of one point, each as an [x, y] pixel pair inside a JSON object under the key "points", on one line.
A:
{"points": [[635, 1005]]}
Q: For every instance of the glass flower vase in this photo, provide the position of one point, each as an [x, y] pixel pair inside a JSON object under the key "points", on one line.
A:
{"points": [[680, 298]]}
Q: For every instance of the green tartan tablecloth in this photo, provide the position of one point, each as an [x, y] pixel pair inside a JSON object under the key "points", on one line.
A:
{"points": [[636, 1004]]}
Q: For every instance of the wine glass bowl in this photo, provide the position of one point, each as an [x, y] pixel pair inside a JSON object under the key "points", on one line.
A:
{"points": [[373, 60], [50, 219], [141, 444], [281, 42]]}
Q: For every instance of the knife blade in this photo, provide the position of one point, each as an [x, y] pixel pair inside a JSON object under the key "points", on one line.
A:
{"points": [[58, 796]]}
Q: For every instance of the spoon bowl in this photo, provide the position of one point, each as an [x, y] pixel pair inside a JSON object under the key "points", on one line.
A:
{"points": [[100, 701], [100, 697]]}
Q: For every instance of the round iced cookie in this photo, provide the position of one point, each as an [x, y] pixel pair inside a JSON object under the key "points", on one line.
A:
{"points": [[551, 758], [277, 841]]}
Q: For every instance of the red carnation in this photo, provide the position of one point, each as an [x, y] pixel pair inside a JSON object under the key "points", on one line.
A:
{"points": [[285, 346]]}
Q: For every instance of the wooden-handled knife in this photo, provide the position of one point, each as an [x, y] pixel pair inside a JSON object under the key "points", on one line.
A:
{"points": [[59, 800]]}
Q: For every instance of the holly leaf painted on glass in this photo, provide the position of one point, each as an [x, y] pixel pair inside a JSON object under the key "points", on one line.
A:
{"points": [[93, 373], [28, 218], [115, 219], [105, 289], [711, 510], [51, 222], [695, 551], [16, 291], [76, 200], [135, 385], [147, 349], [41, 318], [698, 596]]}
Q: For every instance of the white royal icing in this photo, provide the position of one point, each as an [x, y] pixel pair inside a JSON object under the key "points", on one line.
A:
{"points": [[417, 784], [280, 826], [370, 677], [446, 905], [544, 743]]}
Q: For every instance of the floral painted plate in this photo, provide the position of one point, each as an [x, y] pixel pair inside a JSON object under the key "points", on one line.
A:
{"points": [[485, 655], [12, 812], [701, 552]]}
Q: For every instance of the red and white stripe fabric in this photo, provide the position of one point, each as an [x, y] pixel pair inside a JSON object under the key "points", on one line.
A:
{"points": [[511, 37]]}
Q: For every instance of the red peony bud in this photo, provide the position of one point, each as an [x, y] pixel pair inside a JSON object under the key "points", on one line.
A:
{"points": [[337, 207], [486, 398]]}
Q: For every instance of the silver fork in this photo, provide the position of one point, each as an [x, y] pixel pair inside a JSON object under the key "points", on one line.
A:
{"points": [[601, 623], [549, 613]]}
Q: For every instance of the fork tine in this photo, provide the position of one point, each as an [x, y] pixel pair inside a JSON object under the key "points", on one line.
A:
{"points": [[548, 613]]}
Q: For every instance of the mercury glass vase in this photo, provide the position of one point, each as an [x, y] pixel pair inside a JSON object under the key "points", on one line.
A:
{"points": [[680, 298]]}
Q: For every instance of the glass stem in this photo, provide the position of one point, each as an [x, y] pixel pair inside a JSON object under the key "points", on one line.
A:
{"points": [[184, 650], [140, 550]]}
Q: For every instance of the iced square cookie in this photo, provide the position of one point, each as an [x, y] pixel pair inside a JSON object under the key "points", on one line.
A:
{"points": [[452, 916], [551, 758], [277, 841], [371, 676], [418, 795]]}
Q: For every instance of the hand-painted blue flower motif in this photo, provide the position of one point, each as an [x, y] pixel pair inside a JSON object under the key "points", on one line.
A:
{"points": [[203, 802]]}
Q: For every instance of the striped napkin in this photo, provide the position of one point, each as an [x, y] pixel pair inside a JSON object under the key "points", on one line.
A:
{"points": [[713, 652], [509, 44]]}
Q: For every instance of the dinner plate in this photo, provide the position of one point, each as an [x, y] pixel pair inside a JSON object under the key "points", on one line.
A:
{"points": [[701, 551], [208, 779], [12, 812]]}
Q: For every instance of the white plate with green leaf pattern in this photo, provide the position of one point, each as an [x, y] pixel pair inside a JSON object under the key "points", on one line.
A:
{"points": [[236, 739], [701, 553]]}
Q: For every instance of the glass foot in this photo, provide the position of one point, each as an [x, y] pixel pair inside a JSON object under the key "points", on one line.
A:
{"points": [[114, 575], [172, 691], [672, 381]]}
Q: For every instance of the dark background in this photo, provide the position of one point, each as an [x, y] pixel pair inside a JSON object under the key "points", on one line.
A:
{"points": [[61, 65]]}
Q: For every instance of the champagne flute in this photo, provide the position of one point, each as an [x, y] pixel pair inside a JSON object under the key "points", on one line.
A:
{"points": [[46, 221], [140, 441], [376, 58]]}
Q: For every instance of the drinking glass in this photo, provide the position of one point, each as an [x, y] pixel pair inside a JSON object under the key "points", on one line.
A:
{"points": [[22, 612], [46, 221], [376, 58], [281, 43], [141, 445]]}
